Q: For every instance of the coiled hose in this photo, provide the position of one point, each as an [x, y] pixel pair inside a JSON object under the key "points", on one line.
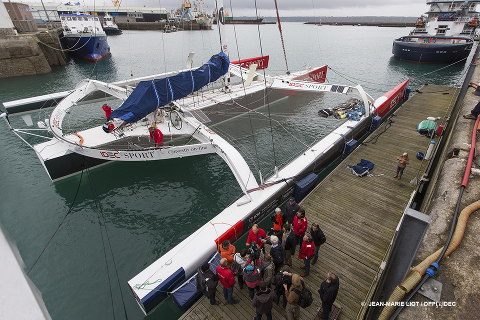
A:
{"points": [[429, 266]]}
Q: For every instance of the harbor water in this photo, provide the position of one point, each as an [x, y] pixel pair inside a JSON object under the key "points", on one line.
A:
{"points": [[113, 221]]}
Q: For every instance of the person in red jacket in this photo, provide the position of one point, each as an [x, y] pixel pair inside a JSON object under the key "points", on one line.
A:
{"points": [[257, 235], [156, 135], [227, 279], [306, 253], [300, 225], [252, 275], [108, 111]]}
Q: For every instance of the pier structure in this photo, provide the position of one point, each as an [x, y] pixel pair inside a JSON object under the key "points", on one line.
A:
{"points": [[359, 215]]}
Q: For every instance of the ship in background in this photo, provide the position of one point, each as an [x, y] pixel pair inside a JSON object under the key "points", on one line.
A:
{"points": [[192, 13], [245, 20], [109, 25], [84, 37], [446, 34]]}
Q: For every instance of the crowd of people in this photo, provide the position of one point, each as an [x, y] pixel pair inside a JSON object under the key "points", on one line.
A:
{"points": [[268, 276]]}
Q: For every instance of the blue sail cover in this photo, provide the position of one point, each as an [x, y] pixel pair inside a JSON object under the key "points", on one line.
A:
{"points": [[152, 94]]}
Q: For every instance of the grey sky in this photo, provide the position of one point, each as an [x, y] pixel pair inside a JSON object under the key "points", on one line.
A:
{"points": [[413, 8]]}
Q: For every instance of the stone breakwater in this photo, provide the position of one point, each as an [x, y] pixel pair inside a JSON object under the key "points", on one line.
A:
{"points": [[29, 54]]}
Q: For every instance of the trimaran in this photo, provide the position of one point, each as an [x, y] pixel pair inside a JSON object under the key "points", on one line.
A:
{"points": [[172, 101]]}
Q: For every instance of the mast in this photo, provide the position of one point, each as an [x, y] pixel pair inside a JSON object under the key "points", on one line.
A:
{"points": [[220, 15]]}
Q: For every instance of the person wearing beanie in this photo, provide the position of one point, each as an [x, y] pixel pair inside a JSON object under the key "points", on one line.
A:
{"points": [[207, 282], [263, 301], [251, 275]]}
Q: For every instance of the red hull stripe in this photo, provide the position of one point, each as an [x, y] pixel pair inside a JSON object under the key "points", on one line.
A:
{"points": [[231, 234]]}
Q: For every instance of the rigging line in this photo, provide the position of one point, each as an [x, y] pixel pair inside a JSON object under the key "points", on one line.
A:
{"points": [[128, 39], [69, 210], [355, 80], [281, 35], [443, 67], [279, 123], [95, 33], [265, 90], [246, 98], [103, 240], [32, 134], [102, 216], [238, 146]]}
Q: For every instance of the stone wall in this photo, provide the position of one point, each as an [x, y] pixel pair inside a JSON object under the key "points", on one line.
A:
{"points": [[7, 32], [21, 55], [50, 46]]}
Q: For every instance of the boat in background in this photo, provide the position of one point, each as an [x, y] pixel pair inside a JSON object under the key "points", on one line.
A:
{"points": [[83, 36], [109, 25], [446, 34]]}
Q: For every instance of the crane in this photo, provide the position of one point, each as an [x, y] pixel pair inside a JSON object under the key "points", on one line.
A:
{"points": [[185, 10]]}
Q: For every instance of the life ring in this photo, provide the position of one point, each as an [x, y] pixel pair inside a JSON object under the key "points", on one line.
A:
{"points": [[81, 139]]}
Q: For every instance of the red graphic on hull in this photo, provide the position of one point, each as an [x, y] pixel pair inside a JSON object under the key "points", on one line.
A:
{"points": [[261, 62]]}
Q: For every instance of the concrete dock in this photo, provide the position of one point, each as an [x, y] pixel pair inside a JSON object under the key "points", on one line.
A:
{"points": [[358, 215]]}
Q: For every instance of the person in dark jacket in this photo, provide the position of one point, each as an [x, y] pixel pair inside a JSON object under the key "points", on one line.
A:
{"points": [[474, 113], [288, 243], [263, 301], [328, 293], [281, 278], [276, 251], [207, 282], [318, 238], [291, 209]]}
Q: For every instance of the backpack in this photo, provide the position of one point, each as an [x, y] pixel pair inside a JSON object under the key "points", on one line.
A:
{"points": [[236, 268], [305, 297], [323, 240]]}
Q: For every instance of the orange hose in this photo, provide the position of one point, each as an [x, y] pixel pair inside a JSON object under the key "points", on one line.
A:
{"points": [[417, 272]]}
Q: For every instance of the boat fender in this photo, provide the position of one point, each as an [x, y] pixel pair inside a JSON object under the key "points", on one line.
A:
{"points": [[325, 113], [439, 130], [407, 94]]}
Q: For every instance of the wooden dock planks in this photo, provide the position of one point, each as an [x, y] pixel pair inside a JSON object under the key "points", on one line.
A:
{"points": [[358, 215]]}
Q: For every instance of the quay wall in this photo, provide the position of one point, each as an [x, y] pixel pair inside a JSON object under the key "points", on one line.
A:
{"points": [[50, 45], [21, 55], [29, 54]]}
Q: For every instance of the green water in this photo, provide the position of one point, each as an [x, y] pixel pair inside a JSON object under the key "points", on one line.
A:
{"points": [[150, 207]]}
